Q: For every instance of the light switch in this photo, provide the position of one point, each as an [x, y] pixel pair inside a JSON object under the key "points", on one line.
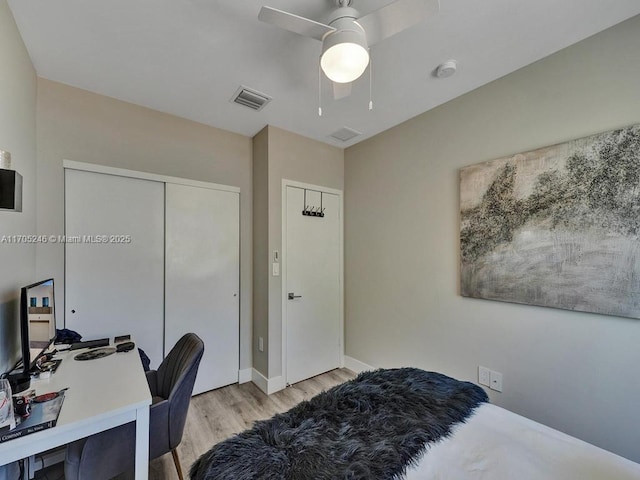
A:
{"points": [[276, 269]]}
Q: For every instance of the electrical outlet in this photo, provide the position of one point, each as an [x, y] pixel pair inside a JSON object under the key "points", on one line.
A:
{"points": [[496, 381], [484, 376], [261, 344]]}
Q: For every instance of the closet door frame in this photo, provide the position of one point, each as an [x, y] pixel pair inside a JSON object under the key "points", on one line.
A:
{"points": [[90, 167], [95, 168]]}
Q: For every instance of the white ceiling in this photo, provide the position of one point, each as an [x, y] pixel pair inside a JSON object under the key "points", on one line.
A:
{"points": [[188, 57]]}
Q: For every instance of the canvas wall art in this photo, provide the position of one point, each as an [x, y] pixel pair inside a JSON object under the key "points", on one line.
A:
{"points": [[557, 227]]}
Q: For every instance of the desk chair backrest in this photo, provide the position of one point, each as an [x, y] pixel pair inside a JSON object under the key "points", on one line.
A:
{"points": [[175, 378]]}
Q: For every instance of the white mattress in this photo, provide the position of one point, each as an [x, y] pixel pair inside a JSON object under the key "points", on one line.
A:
{"points": [[496, 444]]}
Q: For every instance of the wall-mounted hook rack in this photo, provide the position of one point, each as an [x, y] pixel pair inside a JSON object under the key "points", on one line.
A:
{"points": [[312, 211]]}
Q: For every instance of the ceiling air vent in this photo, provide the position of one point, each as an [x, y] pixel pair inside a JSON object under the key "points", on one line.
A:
{"points": [[250, 98], [345, 134]]}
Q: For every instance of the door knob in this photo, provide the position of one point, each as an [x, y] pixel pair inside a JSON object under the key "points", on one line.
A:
{"points": [[292, 296]]}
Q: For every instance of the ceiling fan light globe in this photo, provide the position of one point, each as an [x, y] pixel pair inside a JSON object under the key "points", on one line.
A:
{"points": [[344, 62]]}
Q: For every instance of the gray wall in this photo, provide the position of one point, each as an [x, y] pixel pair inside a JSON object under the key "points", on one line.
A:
{"points": [[74, 124], [304, 160], [292, 157], [261, 258], [18, 136], [573, 371]]}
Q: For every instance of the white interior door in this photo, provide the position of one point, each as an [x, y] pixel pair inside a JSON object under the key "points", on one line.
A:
{"points": [[202, 278], [114, 258], [313, 279]]}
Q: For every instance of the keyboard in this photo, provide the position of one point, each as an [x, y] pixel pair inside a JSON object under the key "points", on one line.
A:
{"points": [[103, 342]]}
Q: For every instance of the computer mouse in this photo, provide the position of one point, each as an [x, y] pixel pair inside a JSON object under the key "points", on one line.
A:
{"points": [[125, 347]]}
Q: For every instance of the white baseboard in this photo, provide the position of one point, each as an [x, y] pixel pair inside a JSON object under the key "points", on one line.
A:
{"points": [[260, 380], [267, 385], [356, 365], [276, 384], [244, 375]]}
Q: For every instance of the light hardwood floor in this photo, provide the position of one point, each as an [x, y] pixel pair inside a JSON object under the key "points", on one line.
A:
{"points": [[219, 414]]}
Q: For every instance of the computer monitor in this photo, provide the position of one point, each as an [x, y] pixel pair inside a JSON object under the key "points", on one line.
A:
{"points": [[37, 321]]}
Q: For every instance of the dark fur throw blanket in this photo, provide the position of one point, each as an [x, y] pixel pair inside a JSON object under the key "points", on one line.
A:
{"points": [[372, 427]]}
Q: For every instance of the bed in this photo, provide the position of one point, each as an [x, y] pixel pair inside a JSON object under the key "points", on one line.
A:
{"points": [[406, 423]]}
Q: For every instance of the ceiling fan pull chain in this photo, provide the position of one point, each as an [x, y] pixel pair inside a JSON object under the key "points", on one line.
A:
{"points": [[370, 82], [319, 89]]}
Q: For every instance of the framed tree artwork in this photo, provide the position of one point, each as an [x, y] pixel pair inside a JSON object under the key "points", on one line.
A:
{"points": [[557, 227]]}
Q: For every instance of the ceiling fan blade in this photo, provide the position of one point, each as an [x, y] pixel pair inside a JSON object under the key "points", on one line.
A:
{"points": [[294, 23], [341, 90], [395, 17]]}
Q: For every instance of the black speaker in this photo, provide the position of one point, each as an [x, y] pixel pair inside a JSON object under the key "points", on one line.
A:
{"points": [[10, 190]]}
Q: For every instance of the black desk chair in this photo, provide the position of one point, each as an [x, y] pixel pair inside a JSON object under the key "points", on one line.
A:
{"points": [[107, 454]]}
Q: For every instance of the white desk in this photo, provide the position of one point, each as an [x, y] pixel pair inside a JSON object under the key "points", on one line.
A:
{"points": [[103, 394]]}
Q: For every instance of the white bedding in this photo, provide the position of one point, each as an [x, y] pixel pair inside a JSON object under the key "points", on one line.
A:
{"points": [[496, 444]]}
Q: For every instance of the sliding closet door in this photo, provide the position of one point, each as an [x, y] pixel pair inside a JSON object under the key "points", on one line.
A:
{"points": [[114, 258], [202, 278]]}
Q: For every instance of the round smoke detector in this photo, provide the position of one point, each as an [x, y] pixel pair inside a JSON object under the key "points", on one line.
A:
{"points": [[446, 69]]}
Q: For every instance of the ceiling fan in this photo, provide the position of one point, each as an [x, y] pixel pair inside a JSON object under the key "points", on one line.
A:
{"points": [[347, 36]]}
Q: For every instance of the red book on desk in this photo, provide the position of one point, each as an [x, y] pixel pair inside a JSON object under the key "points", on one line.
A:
{"points": [[44, 414]]}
